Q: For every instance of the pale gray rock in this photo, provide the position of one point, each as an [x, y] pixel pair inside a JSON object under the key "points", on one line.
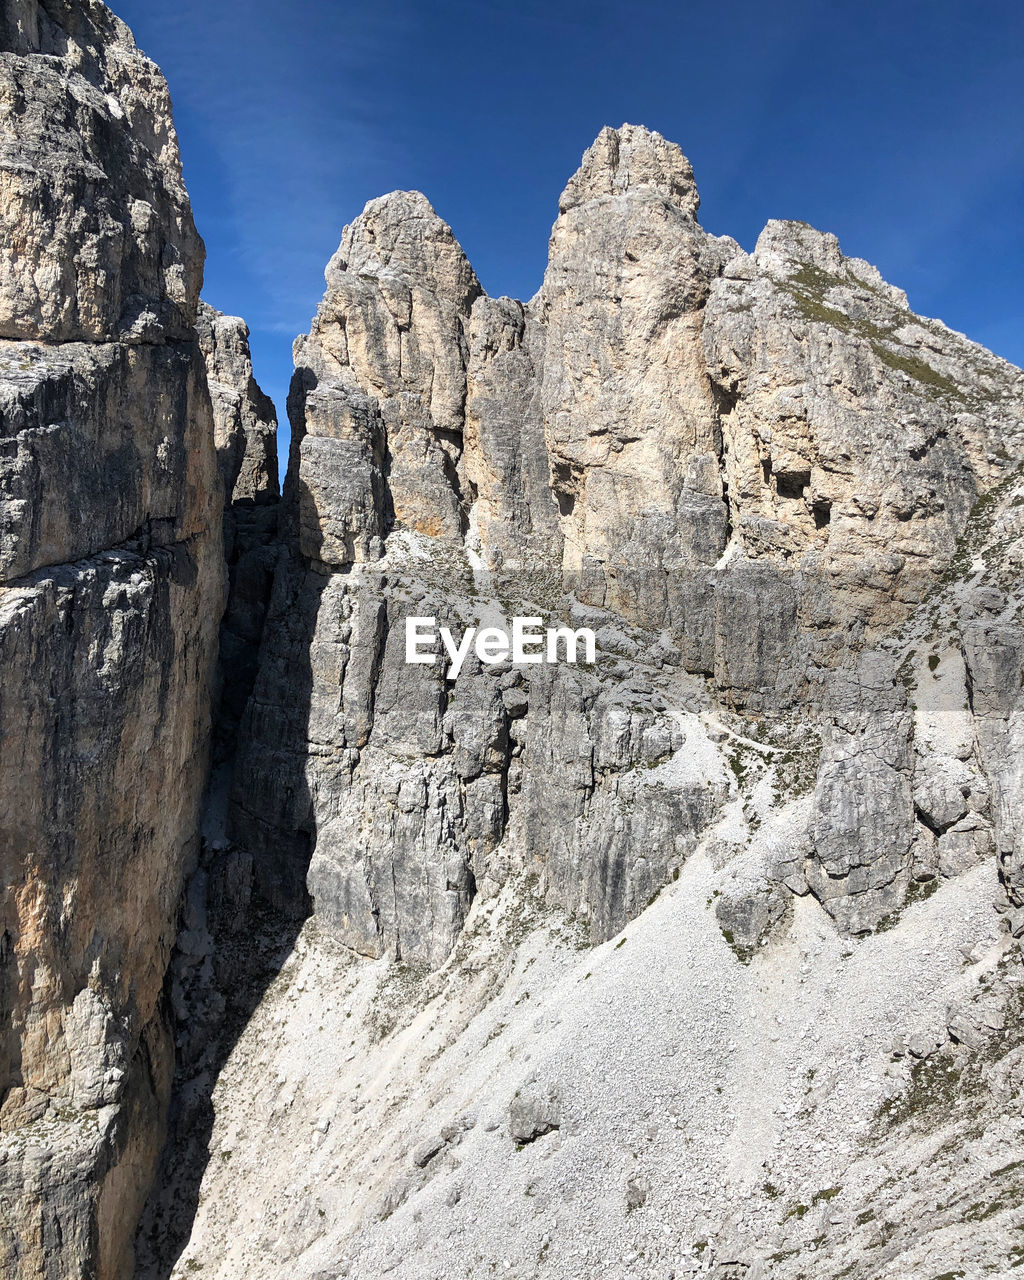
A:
{"points": [[91, 192], [941, 791], [245, 437], [513, 516], [385, 360], [753, 466], [533, 1112], [74, 479], [244, 419], [747, 919], [628, 411], [427, 1150], [864, 815]]}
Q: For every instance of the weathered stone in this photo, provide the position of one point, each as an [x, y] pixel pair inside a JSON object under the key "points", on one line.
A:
{"points": [[245, 436], [112, 588], [94, 210], [750, 465], [863, 810], [427, 1150], [533, 1112], [244, 419]]}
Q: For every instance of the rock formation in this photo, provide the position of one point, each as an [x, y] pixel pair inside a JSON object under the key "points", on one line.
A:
{"points": [[245, 435], [701, 957], [750, 467], [787, 506], [111, 590]]}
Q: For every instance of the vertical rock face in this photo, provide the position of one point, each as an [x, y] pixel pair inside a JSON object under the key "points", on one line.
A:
{"points": [[749, 469], [244, 419], [377, 409], [111, 589], [627, 404], [245, 435], [385, 361], [95, 212]]}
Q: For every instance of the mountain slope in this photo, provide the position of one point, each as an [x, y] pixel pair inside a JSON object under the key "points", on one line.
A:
{"points": [[781, 803]]}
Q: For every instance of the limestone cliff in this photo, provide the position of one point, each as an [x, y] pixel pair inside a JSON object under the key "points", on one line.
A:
{"points": [[790, 782], [746, 467], [111, 589], [245, 435], [702, 957]]}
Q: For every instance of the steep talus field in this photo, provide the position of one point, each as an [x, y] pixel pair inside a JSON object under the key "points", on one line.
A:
{"points": [[699, 958]]}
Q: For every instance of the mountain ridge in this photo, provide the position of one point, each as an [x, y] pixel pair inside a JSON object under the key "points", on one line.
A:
{"points": [[704, 957]]}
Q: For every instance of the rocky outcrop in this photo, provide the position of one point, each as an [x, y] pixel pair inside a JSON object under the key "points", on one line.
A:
{"points": [[95, 212], [745, 468], [111, 588], [245, 436], [244, 419]]}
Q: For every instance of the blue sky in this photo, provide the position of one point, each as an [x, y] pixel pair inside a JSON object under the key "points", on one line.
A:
{"points": [[898, 125]]}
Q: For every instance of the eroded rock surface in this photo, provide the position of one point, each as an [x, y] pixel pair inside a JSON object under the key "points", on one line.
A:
{"points": [[111, 589], [744, 471], [94, 207], [245, 436]]}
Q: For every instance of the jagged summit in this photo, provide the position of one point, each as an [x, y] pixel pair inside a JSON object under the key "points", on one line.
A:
{"points": [[710, 445], [621, 160], [400, 234]]}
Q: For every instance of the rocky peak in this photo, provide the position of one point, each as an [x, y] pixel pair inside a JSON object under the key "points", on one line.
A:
{"points": [[785, 247], [400, 235], [383, 370], [90, 184], [244, 419], [628, 158]]}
